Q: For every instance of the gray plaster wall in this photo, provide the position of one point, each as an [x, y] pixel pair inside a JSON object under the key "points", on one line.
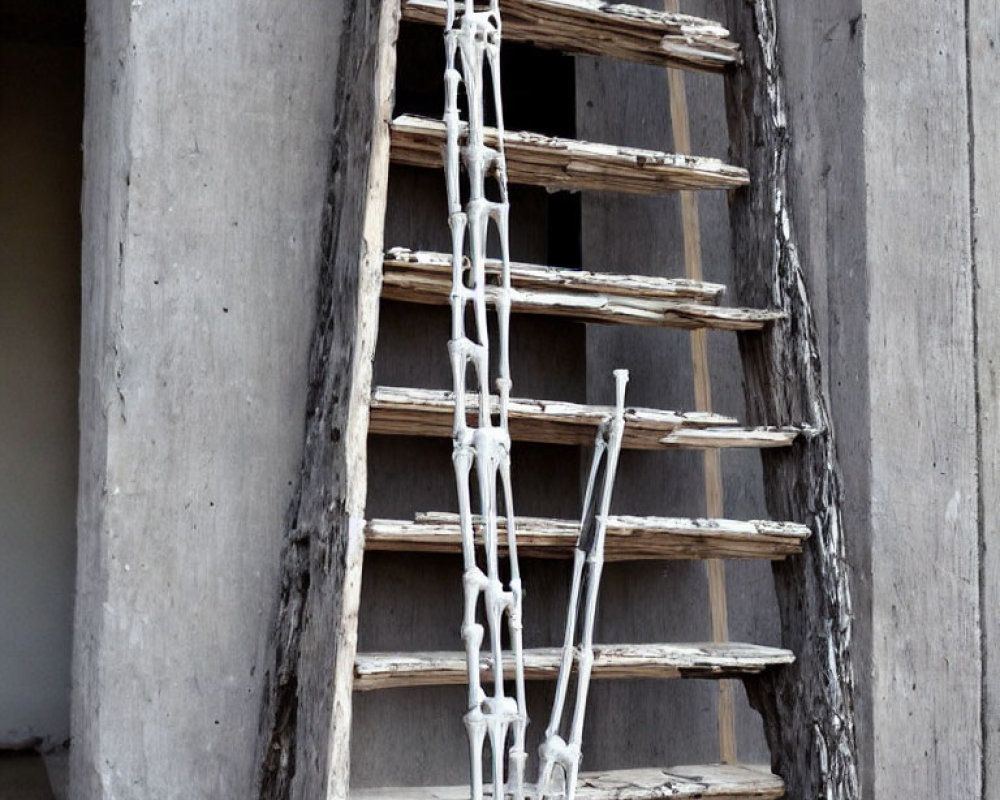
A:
{"points": [[207, 130], [41, 88]]}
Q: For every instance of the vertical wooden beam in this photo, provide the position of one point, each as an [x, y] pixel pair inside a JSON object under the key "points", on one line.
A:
{"points": [[305, 725], [715, 567], [983, 20], [808, 708]]}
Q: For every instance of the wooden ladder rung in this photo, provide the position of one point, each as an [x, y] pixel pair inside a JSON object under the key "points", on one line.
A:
{"points": [[718, 781], [557, 163], [429, 412], [611, 661], [615, 30], [629, 538], [427, 277]]}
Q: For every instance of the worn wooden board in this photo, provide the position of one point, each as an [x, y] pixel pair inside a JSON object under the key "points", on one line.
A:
{"points": [[536, 276], [594, 27], [305, 723], [983, 19], [429, 412], [702, 781], [628, 538], [611, 661], [425, 283], [568, 164]]}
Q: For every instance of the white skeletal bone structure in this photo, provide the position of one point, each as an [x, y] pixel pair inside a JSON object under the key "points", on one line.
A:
{"points": [[556, 750], [472, 42]]}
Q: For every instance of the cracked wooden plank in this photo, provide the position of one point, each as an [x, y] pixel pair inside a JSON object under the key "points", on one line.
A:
{"points": [[569, 164], [719, 781], [407, 411], [613, 30], [629, 538], [430, 283], [536, 276], [611, 662]]}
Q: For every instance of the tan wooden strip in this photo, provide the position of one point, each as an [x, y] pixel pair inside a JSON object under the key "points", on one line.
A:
{"points": [[611, 661], [536, 276], [711, 458], [628, 538], [569, 164], [433, 286], [719, 781], [615, 30], [406, 411]]}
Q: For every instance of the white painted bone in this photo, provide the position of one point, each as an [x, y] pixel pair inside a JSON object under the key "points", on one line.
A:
{"points": [[557, 751], [472, 39]]}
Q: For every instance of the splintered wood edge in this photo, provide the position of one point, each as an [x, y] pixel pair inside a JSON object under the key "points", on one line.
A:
{"points": [[719, 781], [374, 671], [628, 538], [433, 284], [537, 276], [614, 30], [557, 163]]}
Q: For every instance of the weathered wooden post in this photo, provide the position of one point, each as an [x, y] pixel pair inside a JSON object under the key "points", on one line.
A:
{"points": [[808, 707]]}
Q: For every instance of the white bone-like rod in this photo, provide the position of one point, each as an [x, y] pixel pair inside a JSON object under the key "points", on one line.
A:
{"points": [[557, 751], [385, 670], [569, 164], [628, 538], [614, 30], [494, 720], [428, 289], [538, 276]]}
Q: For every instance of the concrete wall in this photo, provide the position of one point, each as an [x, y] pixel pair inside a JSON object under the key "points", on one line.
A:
{"points": [[41, 90], [206, 137], [892, 112]]}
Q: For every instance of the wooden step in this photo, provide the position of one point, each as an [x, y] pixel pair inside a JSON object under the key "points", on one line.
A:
{"points": [[719, 781], [628, 538], [430, 412], [558, 279], [611, 661], [569, 164], [418, 277], [615, 30]]}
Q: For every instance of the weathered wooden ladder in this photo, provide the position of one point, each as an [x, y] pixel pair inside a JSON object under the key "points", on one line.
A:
{"points": [[677, 42]]}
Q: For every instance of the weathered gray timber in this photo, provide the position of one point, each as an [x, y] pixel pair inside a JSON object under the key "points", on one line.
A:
{"points": [[807, 707], [921, 357], [205, 148], [718, 781], [306, 719], [984, 61]]}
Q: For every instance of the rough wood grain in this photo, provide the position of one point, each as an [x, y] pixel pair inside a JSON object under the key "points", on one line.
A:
{"points": [[711, 458], [615, 30], [306, 719], [432, 285], [984, 73], [611, 661], [568, 164], [535, 276], [692, 782], [430, 412], [808, 708], [628, 538]]}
